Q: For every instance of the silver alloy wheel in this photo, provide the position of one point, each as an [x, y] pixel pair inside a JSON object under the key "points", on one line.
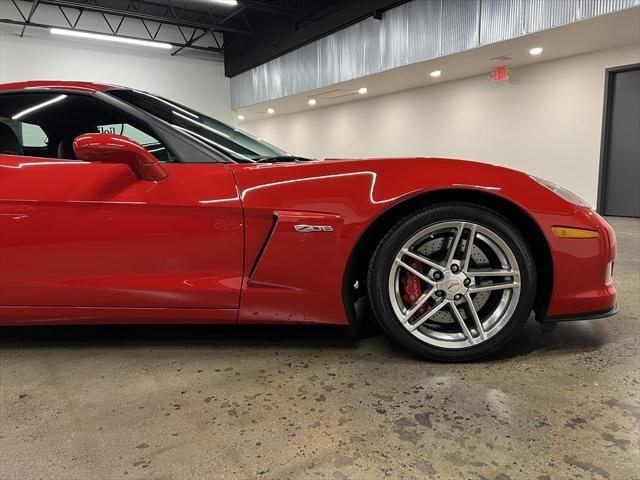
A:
{"points": [[460, 265]]}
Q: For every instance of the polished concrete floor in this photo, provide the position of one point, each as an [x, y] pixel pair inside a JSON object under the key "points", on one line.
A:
{"points": [[296, 403]]}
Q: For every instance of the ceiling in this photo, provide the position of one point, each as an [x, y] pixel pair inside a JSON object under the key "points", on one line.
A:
{"points": [[599, 33], [249, 33]]}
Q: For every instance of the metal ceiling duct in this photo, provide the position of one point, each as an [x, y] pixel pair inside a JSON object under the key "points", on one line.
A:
{"points": [[413, 32]]}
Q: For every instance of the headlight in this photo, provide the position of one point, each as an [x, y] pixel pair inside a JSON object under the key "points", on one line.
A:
{"points": [[562, 192]]}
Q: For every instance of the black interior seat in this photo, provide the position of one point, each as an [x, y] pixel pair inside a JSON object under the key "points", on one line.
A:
{"points": [[65, 149], [9, 143], [63, 144]]}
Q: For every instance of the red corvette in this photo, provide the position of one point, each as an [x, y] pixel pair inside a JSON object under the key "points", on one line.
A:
{"points": [[119, 206]]}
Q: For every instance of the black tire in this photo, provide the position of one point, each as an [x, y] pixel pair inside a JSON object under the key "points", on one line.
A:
{"points": [[383, 259]]}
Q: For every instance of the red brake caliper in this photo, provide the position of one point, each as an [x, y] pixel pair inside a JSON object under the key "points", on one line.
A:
{"points": [[412, 287]]}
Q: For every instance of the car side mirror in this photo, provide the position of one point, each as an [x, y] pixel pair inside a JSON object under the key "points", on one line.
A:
{"points": [[107, 148]]}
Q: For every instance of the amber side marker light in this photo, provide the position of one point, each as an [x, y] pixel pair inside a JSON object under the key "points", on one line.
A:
{"points": [[568, 232]]}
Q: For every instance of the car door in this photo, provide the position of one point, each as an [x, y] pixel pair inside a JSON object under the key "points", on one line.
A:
{"points": [[77, 234]]}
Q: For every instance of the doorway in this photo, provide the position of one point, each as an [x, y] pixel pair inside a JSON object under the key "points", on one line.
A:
{"points": [[619, 183]]}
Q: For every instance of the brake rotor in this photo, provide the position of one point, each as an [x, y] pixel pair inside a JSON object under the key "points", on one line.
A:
{"points": [[412, 286]]}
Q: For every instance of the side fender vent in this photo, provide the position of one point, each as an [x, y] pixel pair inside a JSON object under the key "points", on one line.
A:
{"points": [[267, 237]]}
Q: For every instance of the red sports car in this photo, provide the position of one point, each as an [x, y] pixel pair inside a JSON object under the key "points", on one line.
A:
{"points": [[119, 206]]}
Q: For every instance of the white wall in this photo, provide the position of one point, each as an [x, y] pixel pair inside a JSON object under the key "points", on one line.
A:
{"points": [[193, 81], [546, 121]]}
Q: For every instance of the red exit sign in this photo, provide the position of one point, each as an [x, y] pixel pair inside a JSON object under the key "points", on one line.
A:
{"points": [[500, 74]]}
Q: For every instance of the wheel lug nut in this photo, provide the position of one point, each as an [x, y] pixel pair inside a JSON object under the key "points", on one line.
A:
{"points": [[467, 282], [457, 297], [454, 268], [437, 275], [439, 293]]}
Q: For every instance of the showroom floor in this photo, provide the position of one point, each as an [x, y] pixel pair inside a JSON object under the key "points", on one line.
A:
{"points": [[280, 403]]}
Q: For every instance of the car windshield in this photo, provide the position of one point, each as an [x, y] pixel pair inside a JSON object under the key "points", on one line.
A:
{"points": [[240, 146]]}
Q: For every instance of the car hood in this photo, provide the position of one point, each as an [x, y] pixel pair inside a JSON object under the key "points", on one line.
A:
{"points": [[389, 180]]}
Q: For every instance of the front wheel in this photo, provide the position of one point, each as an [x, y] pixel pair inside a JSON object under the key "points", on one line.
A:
{"points": [[452, 282]]}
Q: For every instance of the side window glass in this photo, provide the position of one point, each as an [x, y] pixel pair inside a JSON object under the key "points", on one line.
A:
{"points": [[32, 136], [45, 124], [152, 144], [19, 138]]}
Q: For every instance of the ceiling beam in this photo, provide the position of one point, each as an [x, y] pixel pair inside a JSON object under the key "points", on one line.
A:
{"points": [[24, 23], [143, 16], [265, 7]]}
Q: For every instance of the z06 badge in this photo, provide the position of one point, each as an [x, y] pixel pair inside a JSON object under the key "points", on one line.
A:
{"points": [[313, 228]]}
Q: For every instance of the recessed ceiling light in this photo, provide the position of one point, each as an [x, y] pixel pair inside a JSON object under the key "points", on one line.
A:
{"points": [[312, 101], [111, 38], [436, 73], [231, 3], [536, 51], [363, 91], [270, 111], [240, 117]]}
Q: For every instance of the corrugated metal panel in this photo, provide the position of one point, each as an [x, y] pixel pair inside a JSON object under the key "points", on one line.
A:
{"points": [[543, 14], [328, 64], [501, 20], [307, 68], [242, 89], [371, 29], [261, 84], [275, 73], [423, 30], [593, 8], [351, 52], [413, 32], [288, 63], [394, 38], [459, 26]]}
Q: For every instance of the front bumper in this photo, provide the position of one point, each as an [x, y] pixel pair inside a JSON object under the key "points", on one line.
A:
{"points": [[584, 316], [580, 288]]}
